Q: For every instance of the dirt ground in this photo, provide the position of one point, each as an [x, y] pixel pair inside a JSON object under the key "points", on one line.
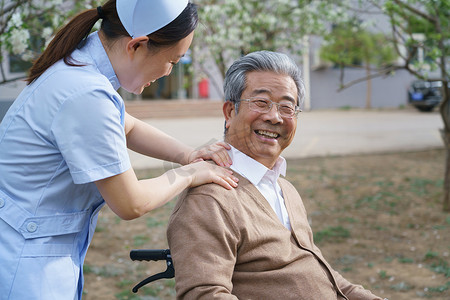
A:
{"points": [[378, 220]]}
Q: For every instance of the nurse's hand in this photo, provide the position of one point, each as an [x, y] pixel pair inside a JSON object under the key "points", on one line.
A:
{"points": [[131, 198], [203, 172], [216, 152]]}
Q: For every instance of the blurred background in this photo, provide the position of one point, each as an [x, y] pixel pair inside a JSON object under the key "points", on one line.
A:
{"points": [[353, 53], [371, 155]]}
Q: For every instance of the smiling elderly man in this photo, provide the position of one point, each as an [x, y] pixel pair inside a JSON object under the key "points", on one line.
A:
{"points": [[254, 242]]}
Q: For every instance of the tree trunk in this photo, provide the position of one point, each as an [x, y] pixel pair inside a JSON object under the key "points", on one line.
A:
{"points": [[446, 198], [369, 88], [445, 133]]}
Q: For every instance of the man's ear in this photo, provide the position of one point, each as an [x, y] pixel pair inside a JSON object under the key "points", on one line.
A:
{"points": [[134, 44], [228, 112]]}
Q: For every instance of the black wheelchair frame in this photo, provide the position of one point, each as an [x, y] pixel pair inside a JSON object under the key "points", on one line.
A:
{"points": [[154, 255]]}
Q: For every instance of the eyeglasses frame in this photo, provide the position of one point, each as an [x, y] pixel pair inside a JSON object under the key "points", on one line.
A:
{"points": [[297, 108]]}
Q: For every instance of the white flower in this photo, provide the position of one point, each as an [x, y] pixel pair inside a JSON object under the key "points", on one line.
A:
{"points": [[19, 40], [47, 35], [56, 20], [15, 21], [27, 56], [47, 32]]}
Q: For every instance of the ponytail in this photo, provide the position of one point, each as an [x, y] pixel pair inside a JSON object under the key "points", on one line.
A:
{"points": [[64, 43]]}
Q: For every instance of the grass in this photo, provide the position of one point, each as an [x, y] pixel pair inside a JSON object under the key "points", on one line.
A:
{"points": [[377, 219], [103, 271], [331, 234], [140, 240]]}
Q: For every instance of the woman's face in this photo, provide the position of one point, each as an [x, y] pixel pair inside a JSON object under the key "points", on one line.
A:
{"points": [[146, 66]]}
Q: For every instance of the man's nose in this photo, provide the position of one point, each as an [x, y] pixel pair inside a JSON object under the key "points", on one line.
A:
{"points": [[273, 115]]}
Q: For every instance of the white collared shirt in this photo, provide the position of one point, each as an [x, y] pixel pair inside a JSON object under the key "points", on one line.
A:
{"points": [[264, 179]]}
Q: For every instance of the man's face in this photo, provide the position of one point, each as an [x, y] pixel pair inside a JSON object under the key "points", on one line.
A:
{"points": [[262, 136]]}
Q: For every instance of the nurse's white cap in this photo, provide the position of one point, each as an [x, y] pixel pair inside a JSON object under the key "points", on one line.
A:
{"points": [[142, 17]]}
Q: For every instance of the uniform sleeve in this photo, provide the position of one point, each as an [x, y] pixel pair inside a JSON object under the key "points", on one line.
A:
{"points": [[203, 245], [89, 132]]}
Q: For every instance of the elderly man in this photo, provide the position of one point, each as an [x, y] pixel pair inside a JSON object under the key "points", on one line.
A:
{"points": [[254, 242]]}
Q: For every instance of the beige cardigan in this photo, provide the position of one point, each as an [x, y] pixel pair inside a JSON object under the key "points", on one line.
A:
{"points": [[231, 245]]}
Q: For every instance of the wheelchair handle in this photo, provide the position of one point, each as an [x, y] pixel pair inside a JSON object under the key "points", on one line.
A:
{"points": [[150, 254], [153, 254]]}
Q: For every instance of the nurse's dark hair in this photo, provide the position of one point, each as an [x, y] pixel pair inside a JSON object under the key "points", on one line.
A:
{"points": [[74, 34]]}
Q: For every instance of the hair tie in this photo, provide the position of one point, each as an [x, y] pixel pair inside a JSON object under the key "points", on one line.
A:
{"points": [[100, 12]]}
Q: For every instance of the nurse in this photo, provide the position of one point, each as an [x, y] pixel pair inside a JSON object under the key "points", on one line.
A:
{"points": [[63, 143]]}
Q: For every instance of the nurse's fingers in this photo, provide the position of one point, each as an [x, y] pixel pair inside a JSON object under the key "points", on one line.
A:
{"points": [[216, 152], [204, 172]]}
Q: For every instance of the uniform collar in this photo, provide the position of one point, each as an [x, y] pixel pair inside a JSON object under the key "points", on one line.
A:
{"points": [[253, 170], [98, 54]]}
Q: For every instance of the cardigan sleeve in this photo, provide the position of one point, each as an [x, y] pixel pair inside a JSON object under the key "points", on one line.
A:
{"points": [[200, 221], [353, 291]]}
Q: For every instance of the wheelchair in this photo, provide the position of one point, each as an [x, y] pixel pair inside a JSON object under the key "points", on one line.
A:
{"points": [[153, 255]]}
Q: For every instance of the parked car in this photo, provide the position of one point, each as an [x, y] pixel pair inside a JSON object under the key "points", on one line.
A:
{"points": [[425, 95]]}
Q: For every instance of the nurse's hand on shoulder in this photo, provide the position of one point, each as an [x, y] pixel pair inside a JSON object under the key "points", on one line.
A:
{"points": [[216, 152], [131, 198], [203, 172]]}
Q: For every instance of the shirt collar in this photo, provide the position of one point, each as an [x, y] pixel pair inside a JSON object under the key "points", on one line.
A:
{"points": [[253, 170], [98, 54]]}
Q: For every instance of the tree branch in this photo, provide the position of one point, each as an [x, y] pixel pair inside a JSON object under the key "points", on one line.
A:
{"points": [[395, 35], [2, 70], [13, 6], [365, 10], [383, 72], [415, 11], [8, 10]]}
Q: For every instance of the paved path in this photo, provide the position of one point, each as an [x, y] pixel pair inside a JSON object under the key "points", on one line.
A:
{"points": [[321, 133]]}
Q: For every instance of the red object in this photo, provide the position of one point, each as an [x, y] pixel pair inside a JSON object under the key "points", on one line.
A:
{"points": [[203, 88]]}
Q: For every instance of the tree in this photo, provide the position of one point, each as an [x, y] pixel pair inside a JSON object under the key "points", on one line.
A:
{"points": [[350, 45], [26, 27], [232, 28], [228, 28], [425, 25], [419, 26]]}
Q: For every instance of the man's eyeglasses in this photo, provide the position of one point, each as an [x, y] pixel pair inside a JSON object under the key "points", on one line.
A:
{"points": [[262, 105]]}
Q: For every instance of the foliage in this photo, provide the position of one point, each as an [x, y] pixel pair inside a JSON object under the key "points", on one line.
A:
{"points": [[419, 31], [27, 26], [422, 24], [416, 26], [233, 28], [336, 234], [351, 45]]}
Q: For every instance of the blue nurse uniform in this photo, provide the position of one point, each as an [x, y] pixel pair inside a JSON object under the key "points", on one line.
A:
{"points": [[63, 132]]}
